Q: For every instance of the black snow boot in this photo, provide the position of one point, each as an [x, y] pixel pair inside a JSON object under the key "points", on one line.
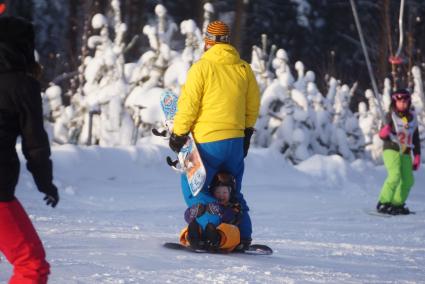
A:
{"points": [[194, 236], [243, 245], [399, 210], [212, 238], [384, 208]]}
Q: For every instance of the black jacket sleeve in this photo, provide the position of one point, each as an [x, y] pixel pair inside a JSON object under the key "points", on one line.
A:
{"points": [[416, 142], [35, 142]]}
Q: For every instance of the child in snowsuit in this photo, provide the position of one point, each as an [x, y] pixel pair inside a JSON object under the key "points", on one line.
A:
{"points": [[401, 138], [226, 236]]}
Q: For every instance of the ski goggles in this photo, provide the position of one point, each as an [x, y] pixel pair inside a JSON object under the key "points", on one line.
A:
{"points": [[401, 97], [217, 38]]}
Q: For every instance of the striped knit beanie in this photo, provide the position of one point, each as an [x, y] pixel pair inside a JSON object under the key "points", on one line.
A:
{"points": [[217, 32]]}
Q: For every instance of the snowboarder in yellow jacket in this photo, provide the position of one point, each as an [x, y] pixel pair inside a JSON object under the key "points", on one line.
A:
{"points": [[219, 104]]}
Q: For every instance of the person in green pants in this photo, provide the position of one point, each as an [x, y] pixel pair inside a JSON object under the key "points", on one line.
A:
{"points": [[401, 139]]}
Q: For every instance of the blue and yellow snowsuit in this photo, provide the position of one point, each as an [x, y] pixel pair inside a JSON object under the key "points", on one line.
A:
{"points": [[218, 101]]}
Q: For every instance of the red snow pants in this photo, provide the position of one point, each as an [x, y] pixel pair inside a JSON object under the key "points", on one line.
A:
{"points": [[21, 245]]}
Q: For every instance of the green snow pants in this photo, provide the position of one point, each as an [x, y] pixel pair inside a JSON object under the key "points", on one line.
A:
{"points": [[400, 178]]}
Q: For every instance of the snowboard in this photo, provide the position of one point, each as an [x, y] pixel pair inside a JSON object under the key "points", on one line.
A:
{"points": [[254, 249], [188, 159], [376, 213]]}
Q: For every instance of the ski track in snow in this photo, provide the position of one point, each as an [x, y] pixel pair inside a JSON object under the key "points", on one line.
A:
{"points": [[118, 207]]}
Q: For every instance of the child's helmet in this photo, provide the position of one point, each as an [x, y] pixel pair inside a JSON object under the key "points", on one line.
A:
{"points": [[223, 179], [401, 94]]}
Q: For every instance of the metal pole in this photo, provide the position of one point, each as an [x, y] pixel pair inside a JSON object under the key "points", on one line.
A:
{"points": [[366, 55], [400, 27]]}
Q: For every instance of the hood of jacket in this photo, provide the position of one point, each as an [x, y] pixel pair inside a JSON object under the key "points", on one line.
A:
{"points": [[222, 53], [16, 44]]}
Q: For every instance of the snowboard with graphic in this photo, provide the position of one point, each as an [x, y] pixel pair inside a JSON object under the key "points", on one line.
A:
{"points": [[188, 159]]}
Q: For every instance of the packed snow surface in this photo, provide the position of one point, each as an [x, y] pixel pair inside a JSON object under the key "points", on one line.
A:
{"points": [[119, 205]]}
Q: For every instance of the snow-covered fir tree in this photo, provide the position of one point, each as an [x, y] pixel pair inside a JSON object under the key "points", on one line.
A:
{"points": [[119, 101]]}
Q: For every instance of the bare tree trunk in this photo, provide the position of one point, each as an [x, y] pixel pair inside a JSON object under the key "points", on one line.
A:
{"points": [[74, 32], [238, 30], [88, 9], [21, 8], [133, 16], [100, 6]]}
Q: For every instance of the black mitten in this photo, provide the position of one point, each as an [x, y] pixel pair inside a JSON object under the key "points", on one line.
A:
{"points": [[215, 208], [52, 195], [247, 140], [194, 212], [177, 142]]}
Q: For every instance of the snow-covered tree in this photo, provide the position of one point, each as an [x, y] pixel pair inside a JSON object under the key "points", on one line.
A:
{"points": [[418, 101], [119, 101], [261, 60]]}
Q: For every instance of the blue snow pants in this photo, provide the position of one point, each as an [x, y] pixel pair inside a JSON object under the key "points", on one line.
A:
{"points": [[224, 155]]}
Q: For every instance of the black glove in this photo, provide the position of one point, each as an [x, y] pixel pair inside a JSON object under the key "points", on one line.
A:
{"points": [[52, 195], [177, 142], [247, 140]]}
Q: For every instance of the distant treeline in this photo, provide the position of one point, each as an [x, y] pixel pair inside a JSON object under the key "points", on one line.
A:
{"points": [[322, 34]]}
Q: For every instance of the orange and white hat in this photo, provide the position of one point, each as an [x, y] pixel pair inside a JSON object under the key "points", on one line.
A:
{"points": [[217, 32]]}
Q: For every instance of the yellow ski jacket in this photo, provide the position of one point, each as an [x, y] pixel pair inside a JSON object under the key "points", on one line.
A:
{"points": [[220, 97]]}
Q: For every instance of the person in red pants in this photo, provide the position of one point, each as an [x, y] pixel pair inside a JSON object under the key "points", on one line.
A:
{"points": [[21, 115], [21, 245]]}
